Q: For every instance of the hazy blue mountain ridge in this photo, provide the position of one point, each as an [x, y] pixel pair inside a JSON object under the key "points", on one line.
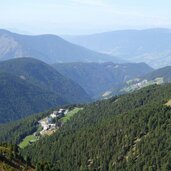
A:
{"points": [[152, 46], [48, 48]]}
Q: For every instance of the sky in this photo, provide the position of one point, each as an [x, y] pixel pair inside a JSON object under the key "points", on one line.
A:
{"points": [[83, 16]]}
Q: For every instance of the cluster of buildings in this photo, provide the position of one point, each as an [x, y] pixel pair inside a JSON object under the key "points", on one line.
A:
{"points": [[137, 84], [59, 114], [140, 84], [51, 122]]}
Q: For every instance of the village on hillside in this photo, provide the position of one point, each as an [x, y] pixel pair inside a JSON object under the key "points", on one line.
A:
{"points": [[50, 124], [137, 84]]}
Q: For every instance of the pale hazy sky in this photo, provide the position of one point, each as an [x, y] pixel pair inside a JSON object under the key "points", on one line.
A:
{"points": [[83, 16]]}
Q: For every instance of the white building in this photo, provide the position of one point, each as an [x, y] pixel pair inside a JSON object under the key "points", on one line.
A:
{"points": [[53, 115]]}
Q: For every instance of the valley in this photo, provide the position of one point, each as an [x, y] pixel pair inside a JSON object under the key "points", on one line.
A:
{"points": [[70, 108], [97, 78], [84, 115]]}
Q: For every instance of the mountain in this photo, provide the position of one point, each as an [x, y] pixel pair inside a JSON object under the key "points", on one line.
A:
{"points": [[158, 76], [118, 134], [98, 78], [29, 86], [164, 73], [19, 98], [48, 48], [44, 76], [152, 46]]}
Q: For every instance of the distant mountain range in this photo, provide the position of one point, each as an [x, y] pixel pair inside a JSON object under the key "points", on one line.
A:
{"points": [[97, 78], [29, 86], [48, 48], [152, 46]]}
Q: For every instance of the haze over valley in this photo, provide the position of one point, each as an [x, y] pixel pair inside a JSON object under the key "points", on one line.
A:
{"points": [[85, 85], [150, 45]]}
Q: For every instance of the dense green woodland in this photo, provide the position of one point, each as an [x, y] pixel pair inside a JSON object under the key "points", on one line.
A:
{"points": [[130, 132], [45, 77], [30, 86], [19, 98], [11, 160], [14, 132], [98, 78]]}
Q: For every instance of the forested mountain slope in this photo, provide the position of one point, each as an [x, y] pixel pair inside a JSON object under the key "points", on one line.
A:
{"points": [[19, 98], [130, 132], [97, 78], [10, 160], [44, 76]]}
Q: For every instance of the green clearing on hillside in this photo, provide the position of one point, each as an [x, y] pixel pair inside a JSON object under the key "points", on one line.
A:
{"points": [[70, 114], [31, 138], [26, 141]]}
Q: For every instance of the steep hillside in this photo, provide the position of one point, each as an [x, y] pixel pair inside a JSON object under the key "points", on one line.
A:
{"points": [[19, 98], [44, 76], [10, 160], [97, 78], [122, 133], [48, 48], [159, 76], [151, 46], [164, 73]]}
